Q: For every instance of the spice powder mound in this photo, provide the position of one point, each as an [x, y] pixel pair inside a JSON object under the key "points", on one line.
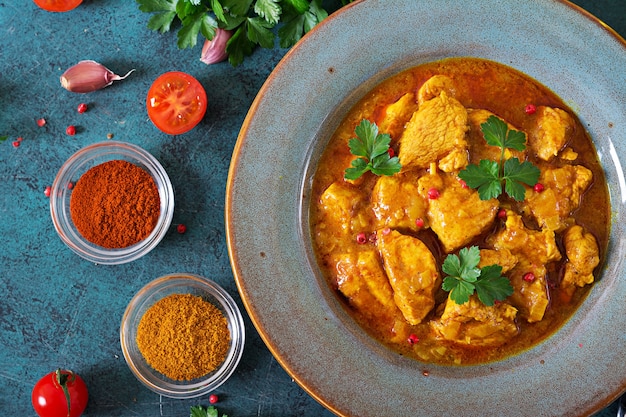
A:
{"points": [[115, 204], [183, 336]]}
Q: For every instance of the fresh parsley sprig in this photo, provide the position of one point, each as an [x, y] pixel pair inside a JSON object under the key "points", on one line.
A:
{"points": [[199, 411], [251, 21], [372, 149], [464, 277], [488, 176]]}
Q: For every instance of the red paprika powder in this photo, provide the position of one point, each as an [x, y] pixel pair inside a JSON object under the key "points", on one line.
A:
{"points": [[115, 204]]}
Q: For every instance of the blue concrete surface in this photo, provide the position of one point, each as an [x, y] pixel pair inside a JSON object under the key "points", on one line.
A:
{"points": [[57, 310]]}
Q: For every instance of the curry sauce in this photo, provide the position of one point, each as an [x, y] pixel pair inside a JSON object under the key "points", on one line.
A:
{"points": [[390, 282]]}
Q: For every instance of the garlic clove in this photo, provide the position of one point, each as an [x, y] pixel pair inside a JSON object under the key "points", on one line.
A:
{"points": [[214, 50], [87, 76]]}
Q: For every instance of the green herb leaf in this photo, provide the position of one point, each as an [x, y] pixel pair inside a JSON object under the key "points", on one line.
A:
{"points": [[269, 10], [199, 411], [492, 285], [239, 46], [298, 22], [372, 149], [3, 138], [152, 6], [259, 32], [464, 277], [487, 177]]}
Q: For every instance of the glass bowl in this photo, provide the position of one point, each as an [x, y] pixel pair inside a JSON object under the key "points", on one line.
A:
{"points": [[180, 283], [81, 162]]}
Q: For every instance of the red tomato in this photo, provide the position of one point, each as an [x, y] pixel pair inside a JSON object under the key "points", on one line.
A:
{"points": [[58, 5], [49, 396], [176, 102]]}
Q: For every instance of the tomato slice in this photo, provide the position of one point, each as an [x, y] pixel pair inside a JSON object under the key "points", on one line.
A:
{"points": [[58, 5], [176, 102]]}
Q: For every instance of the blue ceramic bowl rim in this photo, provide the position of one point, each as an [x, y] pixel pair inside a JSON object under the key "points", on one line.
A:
{"points": [[181, 283], [78, 164], [579, 370]]}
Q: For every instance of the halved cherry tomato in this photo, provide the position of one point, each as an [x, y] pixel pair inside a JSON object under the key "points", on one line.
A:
{"points": [[56, 391], [176, 102], [58, 5]]}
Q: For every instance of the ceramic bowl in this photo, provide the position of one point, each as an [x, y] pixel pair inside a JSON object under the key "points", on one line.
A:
{"points": [[180, 283], [81, 162], [577, 371]]}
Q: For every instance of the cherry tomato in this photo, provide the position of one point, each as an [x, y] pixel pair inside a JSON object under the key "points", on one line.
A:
{"points": [[58, 5], [176, 102], [52, 394]]}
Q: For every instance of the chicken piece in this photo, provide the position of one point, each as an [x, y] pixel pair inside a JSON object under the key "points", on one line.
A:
{"points": [[457, 215], [344, 206], [563, 188], [552, 132], [583, 256], [502, 257], [395, 116], [397, 203], [412, 273], [479, 148], [360, 277], [434, 86], [476, 324], [534, 250], [436, 130]]}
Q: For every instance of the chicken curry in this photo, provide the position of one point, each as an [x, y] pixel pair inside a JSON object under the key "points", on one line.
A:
{"points": [[381, 240]]}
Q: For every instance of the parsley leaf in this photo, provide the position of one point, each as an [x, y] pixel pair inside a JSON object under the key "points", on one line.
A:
{"points": [[199, 411], [3, 138], [269, 10], [372, 149], [492, 285], [487, 177], [464, 277]]}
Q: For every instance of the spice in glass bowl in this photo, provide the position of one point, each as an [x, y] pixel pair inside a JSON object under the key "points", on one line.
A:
{"points": [[115, 204], [183, 336]]}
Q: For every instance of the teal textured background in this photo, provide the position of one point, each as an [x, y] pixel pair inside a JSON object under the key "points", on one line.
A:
{"points": [[57, 310]]}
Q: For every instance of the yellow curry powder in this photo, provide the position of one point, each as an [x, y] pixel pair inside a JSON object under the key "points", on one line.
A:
{"points": [[183, 337]]}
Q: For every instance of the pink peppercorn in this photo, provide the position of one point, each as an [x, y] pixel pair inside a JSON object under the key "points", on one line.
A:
{"points": [[213, 399], [539, 187], [419, 222], [433, 193], [391, 152], [502, 214], [530, 109], [47, 191], [181, 228], [82, 108], [16, 143], [41, 122], [71, 130], [463, 184], [529, 277], [361, 238], [413, 339]]}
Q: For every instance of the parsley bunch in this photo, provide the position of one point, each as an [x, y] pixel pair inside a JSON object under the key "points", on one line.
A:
{"points": [[372, 148], [464, 277], [488, 176], [251, 21]]}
